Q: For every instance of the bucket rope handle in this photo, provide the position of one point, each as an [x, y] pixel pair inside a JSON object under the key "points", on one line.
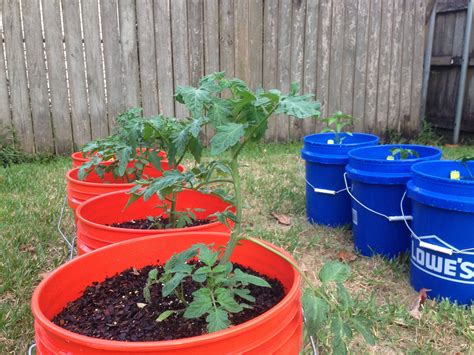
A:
{"points": [[320, 190], [389, 218], [30, 349], [311, 339], [447, 249], [69, 243]]}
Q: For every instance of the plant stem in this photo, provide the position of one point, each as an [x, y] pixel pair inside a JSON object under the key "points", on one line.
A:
{"points": [[172, 216], [237, 230], [212, 182]]}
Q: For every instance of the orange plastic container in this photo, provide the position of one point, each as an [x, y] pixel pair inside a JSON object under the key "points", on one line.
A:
{"points": [[79, 191], [78, 158], [277, 331], [93, 216]]}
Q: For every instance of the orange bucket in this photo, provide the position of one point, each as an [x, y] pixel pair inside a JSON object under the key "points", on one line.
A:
{"points": [[78, 158], [277, 331], [93, 185], [93, 216]]}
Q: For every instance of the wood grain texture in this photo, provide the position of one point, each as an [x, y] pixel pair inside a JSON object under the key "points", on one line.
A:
{"points": [[179, 42], [297, 60], [226, 29], [20, 104], [60, 113], [336, 57], [37, 79], [76, 73], [112, 60], [255, 41], [128, 41], [6, 129], [196, 41], [349, 55], [407, 57], [164, 56], [241, 35], [324, 50], [385, 56], [270, 58], [94, 69], [360, 69], [310, 58], [147, 51]]}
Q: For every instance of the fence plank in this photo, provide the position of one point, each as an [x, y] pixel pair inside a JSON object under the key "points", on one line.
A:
{"points": [[324, 54], [179, 42], [241, 28], [112, 59], [405, 94], [348, 63], [6, 129], [384, 66], [196, 41], [256, 43], [297, 60], [57, 78], [270, 50], [417, 66], [211, 44], [128, 40], [310, 58], [164, 61], [395, 67], [37, 77], [21, 114], [76, 72], [94, 69], [284, 63], [227, 37], [372, 66], [335, 70], [146, 49], [360, 78]]}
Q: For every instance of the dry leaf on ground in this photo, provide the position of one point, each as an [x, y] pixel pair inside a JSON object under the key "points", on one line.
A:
{"points": [[415, 310], [346, 256], [43, 275], [282, 218]]}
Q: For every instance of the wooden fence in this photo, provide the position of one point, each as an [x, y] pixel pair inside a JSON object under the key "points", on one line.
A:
{"points": [[70, 66]]}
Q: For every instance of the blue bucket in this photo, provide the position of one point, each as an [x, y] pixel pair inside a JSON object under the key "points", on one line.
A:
{"points": [[378, 186], [442, 248], [327, 202]]}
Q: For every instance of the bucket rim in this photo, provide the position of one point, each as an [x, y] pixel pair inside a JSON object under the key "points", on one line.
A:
{"points": [[375, 139], [453, 182], [354, 154]]}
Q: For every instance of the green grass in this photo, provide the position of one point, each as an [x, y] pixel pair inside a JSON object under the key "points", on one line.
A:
{"points": [[31, 199]]}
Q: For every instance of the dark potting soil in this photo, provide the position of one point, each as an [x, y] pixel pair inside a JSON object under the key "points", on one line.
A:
{"points": [[114, 309], [157, 223]]}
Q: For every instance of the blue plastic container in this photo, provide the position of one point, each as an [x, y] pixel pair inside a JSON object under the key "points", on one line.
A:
{"points": [[327, 202], [442, 247], [378, 186]]}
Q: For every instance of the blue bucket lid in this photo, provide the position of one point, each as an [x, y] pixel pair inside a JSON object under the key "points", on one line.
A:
{"points": [[317, 150], [370, 164], [432, 186]]}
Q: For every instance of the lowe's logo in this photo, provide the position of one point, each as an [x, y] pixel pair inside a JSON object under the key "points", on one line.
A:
{"points": [[452, 268]]}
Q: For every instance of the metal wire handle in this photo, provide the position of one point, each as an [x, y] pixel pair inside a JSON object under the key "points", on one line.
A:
{"points": [[30, 349], [389, 218], [70, 242]]}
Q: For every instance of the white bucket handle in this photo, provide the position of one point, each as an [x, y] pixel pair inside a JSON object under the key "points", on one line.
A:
{"points": [[446, 249], [389, 218], [69, 242]]}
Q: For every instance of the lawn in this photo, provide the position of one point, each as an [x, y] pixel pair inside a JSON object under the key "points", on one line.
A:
{"points": [[30, 245]]}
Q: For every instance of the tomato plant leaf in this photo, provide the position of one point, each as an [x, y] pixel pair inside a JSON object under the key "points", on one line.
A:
{"points": [[334, 271], [226, 136], [200, 305], [217, 319]]}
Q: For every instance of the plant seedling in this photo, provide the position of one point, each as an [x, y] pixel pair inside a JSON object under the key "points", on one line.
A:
{"points": [[402, 154], [336, 124], [464, 160]]}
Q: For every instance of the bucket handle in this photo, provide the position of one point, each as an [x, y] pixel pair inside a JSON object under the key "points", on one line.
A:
{"points": [[69, 243], [445, 248], [389, 218], [324, 191], [30, 349]]}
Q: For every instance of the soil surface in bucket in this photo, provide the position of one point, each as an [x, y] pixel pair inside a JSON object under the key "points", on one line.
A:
{"points": [[156, 223], [114, 309]]}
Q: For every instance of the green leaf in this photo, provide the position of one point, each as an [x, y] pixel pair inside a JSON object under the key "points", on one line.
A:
{"points": [[226, 136], [171, 285], [245, 294], [337, 330], [207, 256], [199, 277], [194, 98], [246, 279], [164, 315], [223, 268], [315, 310], [226, 299], [301, 106], [124, 158], [217, 320], [132, 199], [183, 268], [220, 112], [334, 271], [344, 297], [201, 304], [360, 325]]}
